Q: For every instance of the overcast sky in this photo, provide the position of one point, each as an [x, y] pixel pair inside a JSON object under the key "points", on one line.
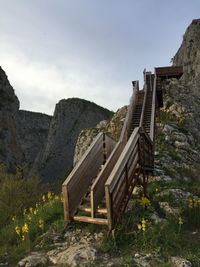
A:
{"points": [[91, 49]]}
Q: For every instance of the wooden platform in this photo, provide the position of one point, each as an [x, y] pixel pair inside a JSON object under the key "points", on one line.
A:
{"points": [[169, 72]]}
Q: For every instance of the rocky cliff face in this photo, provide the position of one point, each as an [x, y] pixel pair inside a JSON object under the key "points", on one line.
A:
{"points": [[33, 131], [70, 117], [178, 141], [188, 56], [10, 150], [46, 144]]}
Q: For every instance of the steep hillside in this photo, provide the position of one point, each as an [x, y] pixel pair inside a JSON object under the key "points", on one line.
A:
{"points": [[178, 141]]}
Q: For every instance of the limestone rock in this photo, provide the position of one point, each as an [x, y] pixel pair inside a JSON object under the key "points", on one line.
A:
{"points": [[76, 255], [111, 127], [168, 210], [180, 262], [33, 260]]}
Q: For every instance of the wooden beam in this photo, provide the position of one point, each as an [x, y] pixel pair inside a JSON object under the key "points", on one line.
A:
{"points": [[90, 220]]}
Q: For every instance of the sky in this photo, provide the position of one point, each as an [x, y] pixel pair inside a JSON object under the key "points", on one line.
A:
{"points": [[91, 49]]}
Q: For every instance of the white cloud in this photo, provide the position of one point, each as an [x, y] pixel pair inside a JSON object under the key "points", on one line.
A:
{"points": [[40, 85]]}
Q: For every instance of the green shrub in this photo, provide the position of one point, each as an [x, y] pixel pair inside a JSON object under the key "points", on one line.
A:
{"points": [[16, 194]]}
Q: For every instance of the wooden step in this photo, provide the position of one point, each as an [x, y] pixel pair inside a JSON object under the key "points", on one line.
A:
{"points": [[90, 220], [88, 209]]}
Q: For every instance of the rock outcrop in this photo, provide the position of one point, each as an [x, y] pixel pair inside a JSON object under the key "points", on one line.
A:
{"points": [[178, 142], [70, 117], [10, 150], [111, 127], [33, 131], [188, 56]]}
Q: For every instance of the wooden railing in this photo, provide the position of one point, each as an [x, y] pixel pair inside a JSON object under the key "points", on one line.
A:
{"points": [[146, 151], [153, 110], [121, 178], [144, 101], [98, 187], [77, 183], [128, 120]]}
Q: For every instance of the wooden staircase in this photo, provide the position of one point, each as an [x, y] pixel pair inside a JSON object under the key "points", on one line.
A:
{"points": [[100, 185]]}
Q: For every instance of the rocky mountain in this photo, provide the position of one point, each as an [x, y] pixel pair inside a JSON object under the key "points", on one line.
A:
{"points": [[10, 150], [44, 143], [70, 117]]}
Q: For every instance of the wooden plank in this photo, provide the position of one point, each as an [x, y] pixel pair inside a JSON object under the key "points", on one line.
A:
{"points": [[98, 211], [90, 220], [120, 181], [97, 189], [128, 120], [110, 144], [65, 204], [81, 176], [170, 71], [153, 110], [115, 174], [144, 101], [109, 207], [89, 151]]}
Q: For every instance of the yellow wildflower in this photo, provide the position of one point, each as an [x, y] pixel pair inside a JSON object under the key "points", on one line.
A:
{"points": [[35, 211], [49, 195], [195, 202], [144, 201], [17, 230], [190, 203], [142, 225], [23, 237], [25, 228], [41, 224], [29, 217], [180, 221]]}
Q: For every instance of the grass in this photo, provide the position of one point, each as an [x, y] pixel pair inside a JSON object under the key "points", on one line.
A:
{"points": [[163, 240], [35, 227]]}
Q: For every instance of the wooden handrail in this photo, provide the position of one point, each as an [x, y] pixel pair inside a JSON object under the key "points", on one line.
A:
{"points": [[144, 101], [152, 126], [143, 132], [78, 181], [115, 175], [121, 178], [129, 115], [98, 187]]}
